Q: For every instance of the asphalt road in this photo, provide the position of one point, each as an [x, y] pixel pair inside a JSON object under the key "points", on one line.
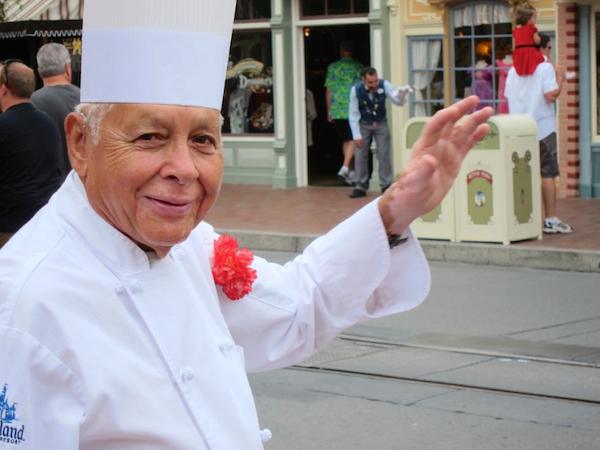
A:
{"points": [[496, 358]]}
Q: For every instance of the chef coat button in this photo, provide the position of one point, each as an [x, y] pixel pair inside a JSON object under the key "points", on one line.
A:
{"points": [[119, 288], [226, 347], [178, 253], [135, 285], [187, 374], [265, 435]]}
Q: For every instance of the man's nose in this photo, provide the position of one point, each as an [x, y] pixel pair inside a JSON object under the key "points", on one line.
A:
{"points": [[179, 164]]}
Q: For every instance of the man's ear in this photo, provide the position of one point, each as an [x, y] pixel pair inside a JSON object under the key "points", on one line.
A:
{"points": [[77, 143], [3, 92]]}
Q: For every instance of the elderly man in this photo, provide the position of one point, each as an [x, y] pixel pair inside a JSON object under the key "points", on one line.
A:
{"points": [[29, 152], [114, 333], [58, 97]]}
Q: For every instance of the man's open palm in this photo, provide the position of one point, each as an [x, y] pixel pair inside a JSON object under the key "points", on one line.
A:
{"points": [[434, 163]]}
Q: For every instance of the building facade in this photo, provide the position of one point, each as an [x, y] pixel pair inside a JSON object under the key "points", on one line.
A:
{"points": [[445, 49], [454, 44]]}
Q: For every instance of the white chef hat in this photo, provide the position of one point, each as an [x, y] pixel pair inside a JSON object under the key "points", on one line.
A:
{"points": [[155, 51]]}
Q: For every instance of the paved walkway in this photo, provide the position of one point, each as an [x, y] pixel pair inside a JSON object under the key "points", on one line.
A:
{"points": [[311, 211]]}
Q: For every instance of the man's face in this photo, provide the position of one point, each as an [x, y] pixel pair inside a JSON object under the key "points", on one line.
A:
{"points": [[546, 50], [155, 171], [4, 92], [371, 82]]}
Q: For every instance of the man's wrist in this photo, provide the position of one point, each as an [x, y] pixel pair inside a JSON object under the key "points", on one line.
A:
{"points": [[395, 240]]}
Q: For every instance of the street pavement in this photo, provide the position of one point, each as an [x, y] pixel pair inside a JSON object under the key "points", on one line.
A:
{"points": [[288, 219], [495, 358]]}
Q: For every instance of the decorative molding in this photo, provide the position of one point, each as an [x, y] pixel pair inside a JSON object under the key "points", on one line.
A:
{"points": [[392, 7], [279, 91], [423, 11]]}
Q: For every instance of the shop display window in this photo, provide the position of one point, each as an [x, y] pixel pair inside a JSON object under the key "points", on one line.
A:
{"points": [[319, 8], [248, 97], [426, 75], [246, 10], [481, 52]]}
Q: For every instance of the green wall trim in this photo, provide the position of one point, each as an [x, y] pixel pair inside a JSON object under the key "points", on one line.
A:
{"points": [[375, 15], [284, 174], [247, 144], [587, 177], [248, 178]]}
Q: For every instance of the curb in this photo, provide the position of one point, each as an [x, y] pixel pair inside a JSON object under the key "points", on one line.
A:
{"points": [[470, 253]]}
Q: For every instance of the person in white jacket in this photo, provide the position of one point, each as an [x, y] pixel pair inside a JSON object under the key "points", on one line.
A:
{"points": [[113, 332]]}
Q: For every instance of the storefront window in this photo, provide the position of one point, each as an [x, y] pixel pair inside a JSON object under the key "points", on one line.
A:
{"points": [[248, 98], [253, 10], [426, 74], [481, 52], [312, 8]]}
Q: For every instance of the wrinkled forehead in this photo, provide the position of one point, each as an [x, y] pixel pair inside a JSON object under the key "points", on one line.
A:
{"points": [[167, 115]]}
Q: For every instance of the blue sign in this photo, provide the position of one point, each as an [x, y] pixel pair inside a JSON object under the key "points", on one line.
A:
{"points": [[9, 434]]}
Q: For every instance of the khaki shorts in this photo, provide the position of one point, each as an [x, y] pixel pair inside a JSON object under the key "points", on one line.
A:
{"points": [[548, 157]]}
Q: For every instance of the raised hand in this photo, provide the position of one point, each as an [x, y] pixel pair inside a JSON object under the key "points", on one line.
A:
{"points": [[434, 163]]}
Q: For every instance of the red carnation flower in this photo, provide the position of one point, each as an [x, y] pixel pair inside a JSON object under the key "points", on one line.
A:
{"points": [[231, 267]]}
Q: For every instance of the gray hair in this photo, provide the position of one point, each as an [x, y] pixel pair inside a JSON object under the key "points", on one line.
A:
{"points": [[94, 114], [52, 59]]}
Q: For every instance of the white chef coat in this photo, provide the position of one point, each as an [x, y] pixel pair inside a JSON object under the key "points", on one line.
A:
{"points": [[106, 347]]}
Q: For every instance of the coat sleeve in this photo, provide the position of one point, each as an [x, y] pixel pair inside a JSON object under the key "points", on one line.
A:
{"points": [[344, 277], [41, 403]]}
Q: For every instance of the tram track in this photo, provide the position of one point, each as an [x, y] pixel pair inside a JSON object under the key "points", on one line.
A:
{"points": [[334, 365], [422, 381], [476, 351]]}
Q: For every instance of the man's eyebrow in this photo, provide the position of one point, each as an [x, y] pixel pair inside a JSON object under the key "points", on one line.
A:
{"points": [[150, 118]]}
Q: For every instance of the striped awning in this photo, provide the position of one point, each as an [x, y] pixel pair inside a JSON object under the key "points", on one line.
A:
{"points": [[17, 10], [40, 28]]}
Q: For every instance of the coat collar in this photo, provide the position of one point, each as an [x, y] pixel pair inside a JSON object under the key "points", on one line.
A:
{"points": [[117, 251]]}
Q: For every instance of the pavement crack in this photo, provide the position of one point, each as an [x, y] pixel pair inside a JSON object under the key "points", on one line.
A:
{"points": [[430, 397], [547, 327], [357, 397], [452, 369], [510, 419]]}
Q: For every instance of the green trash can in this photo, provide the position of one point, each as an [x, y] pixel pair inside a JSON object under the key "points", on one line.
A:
{"points": [[440, 222], [498, 189]]}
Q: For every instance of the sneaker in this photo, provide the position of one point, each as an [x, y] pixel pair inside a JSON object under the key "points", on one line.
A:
{"points": [[557, 227], [356, 193], [351, 178], [344, 175]]}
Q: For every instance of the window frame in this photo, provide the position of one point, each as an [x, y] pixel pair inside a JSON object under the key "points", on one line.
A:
{"points": [[473, 38], [330, 16], [254, 26], [411, 72], [250, 22], [595, 75]]}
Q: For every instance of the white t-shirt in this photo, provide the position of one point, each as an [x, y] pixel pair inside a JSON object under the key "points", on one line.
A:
{"points": [[526, 96]]}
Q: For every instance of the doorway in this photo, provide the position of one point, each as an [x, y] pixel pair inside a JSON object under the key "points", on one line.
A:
{"points": [[321, 47]]}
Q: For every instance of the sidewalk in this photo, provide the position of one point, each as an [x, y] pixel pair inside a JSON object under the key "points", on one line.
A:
{"points": [[288, 219]]}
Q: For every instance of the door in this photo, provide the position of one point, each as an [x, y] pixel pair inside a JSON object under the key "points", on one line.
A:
{"points": [[321, 47]]}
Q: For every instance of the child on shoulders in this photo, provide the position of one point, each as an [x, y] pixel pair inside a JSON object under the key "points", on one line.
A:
{"points": [[526, 55]]}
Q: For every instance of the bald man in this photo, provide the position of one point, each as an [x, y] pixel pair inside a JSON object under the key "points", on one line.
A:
{"points": [[30, 149]]}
